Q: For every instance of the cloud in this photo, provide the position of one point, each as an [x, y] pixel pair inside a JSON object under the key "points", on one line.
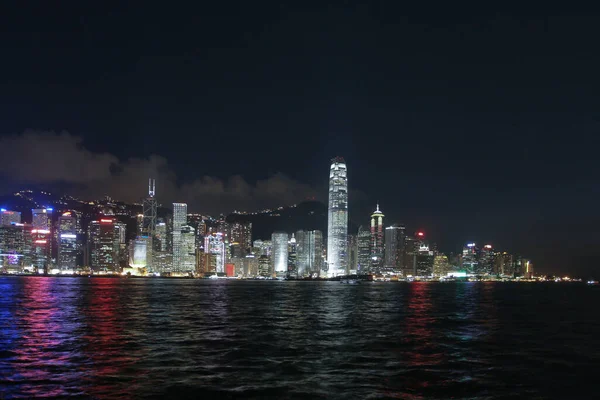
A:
{"points": [[48, 158]]}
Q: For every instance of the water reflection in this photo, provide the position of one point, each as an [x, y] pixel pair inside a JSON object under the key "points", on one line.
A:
{"points": [[45, 354], [110, 351]]}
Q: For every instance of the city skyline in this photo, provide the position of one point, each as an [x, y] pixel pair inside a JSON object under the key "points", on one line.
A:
{"points": [[464, 125]]}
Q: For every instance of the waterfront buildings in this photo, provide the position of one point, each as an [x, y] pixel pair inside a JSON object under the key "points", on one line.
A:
{"points": [[8, 218], [68, 248], [309, 252], [363, 244], [106, 242], [394, 249], [280, 252], [179, 220], [337, 219], [214, 244], [377, 239]]}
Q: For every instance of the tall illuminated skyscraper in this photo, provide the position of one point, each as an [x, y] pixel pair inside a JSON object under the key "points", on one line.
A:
{"points": [[377, 239], [41, 218], [67, 241], [337, 219], [149, 209], [394, 248], [280, 252], [179, 221], [363, 244]]}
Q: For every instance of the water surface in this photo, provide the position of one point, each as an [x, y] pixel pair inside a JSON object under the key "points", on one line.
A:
{"points": [[169, 338]]}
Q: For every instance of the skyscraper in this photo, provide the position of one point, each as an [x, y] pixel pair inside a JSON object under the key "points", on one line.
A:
{"points": [[469, 258], [103, 240], [41, 218], [280, 252], [179, 220], [149, 210], [309, 258], [337, 219], [377, 239], [188, 249], [67, 241], [8, 218], [214, 245], [394, 248], [363, 243], [241, 233]]}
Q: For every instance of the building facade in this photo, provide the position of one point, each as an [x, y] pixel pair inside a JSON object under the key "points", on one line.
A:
{"points": [[337, 219]]}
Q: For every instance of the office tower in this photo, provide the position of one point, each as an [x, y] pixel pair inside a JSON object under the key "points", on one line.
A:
{"points": [[188, 249], [292, 257], [309, 258], [67, 242], [121, 244], [179, 220], [394, 249], [214, 244], [352, 254], [8, 218], [527, 269], [41, 218], [411, 249], [149, 211], [250, 266], [506, 265], [40, 250], [337, 219], [104, 240], [377, 239], [265, 247], [469, 258], [140, 252], [264, 266], [485, 261], [139, 221], [363, 243], [441, 266], [280, 252], [241, 233], [15, 247], [424, 256], [159, 242]]}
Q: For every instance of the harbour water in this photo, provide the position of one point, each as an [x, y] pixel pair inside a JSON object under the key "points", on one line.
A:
{"points": [[169, 338]]}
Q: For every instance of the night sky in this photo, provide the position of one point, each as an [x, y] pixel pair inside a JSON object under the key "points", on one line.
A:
{"points": [[469, 124]]}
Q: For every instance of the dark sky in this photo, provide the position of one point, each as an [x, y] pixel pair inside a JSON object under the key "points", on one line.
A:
{"points": [[470, 124]]}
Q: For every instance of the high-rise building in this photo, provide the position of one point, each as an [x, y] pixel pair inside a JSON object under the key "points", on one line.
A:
{"points": [[352, 254], [67, 242], [265, 247], [214, 244], [394, 249], [280, 252], [485, 261], [441, 266], [149, 211], [160, 237], [377, 239], [15, 247], [40, 250], [140, 252], [363, 243], [309, 258], [264, 266], [188, 249], [179, 220], [8, 218], [469, 258], [41, 218], [104, 240], [292, 257], [411, 250], [241, 233], [337, 219]]}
